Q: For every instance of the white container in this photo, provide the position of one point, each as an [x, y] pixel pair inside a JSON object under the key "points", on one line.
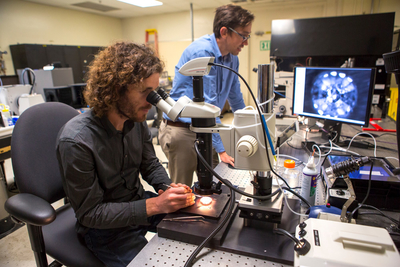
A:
{"points": [[309, 181]]}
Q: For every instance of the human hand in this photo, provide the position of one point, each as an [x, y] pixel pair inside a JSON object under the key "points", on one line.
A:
{"points": [[187, 188], [226, 158], [176, 197]]}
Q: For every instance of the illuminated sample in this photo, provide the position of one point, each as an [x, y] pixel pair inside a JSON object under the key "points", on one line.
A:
{"points": [[206, 201], [334, 94]]}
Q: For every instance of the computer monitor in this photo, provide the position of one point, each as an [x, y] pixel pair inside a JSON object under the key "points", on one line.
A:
{"points": [[77, 95], [349, 36], [61, 94], [341, 95], [70, 95]]}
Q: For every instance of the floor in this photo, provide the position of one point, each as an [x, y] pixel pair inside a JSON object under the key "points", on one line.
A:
{"points": [[15, 248]]}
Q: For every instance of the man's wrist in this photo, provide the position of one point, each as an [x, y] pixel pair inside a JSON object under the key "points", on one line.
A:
{"points": [[152, 206]]}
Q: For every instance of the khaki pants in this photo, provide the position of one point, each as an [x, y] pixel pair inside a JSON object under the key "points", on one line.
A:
{"points": [[178, 145]]}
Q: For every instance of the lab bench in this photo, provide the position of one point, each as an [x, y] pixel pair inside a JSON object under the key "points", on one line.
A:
{"points": [[246, 246]]}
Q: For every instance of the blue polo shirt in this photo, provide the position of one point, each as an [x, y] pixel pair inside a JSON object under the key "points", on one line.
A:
{"points": [[219, 85]]}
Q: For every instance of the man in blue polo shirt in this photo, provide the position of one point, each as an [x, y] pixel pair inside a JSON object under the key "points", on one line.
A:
{"points": [[232, 28]]}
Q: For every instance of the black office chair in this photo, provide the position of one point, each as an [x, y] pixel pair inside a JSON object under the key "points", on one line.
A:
{"points": [[35, 165], [153, 115]]}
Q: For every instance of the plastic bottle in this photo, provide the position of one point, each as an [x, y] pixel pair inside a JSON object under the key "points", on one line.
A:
{"points": [[5, 114], [290, 173], [309, 182]]}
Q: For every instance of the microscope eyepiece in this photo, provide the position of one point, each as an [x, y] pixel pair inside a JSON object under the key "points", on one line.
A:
{"points": [[162, 93], [153, 98]]}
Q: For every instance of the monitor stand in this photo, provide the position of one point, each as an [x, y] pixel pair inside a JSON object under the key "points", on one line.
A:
{"points": [[332, 130]]}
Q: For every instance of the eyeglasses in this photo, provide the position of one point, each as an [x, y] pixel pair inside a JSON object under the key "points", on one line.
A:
{"points": [[245, 38]]}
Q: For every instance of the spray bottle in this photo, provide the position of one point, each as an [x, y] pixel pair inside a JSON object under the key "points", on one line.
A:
{"points": [[309, 182]]}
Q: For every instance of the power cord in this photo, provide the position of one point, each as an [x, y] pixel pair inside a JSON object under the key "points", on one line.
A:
{"points": [[232, 201], [230, 186], [301, 246], [363, 133], [215, 231], [227, 182], [380, 213]]}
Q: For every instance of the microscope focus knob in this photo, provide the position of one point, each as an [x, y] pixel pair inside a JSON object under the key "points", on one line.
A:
{"points": [[247, 146]]}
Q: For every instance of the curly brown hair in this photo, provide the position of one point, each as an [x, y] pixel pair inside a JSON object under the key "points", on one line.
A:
{"points": [[231, 16], [113, 69]]}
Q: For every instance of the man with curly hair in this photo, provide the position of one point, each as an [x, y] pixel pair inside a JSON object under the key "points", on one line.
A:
{"points": [[232, 28], [103, 151]]}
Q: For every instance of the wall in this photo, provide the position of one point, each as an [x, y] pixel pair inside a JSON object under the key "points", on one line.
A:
{"points": [[25, 22], [264, 15], [174, 30]]}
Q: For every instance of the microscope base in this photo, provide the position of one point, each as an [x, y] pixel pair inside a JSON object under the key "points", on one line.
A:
{"points": [[214, 210], [265, 210], [256, 239], [195, 231]]}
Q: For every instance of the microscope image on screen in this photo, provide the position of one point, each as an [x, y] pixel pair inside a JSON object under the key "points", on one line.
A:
{"points": [[336, 93]]}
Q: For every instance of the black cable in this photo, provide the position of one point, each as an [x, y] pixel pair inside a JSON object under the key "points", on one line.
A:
{"points": [[216, 230], [385, 134], [297, 187], [287, 142], [369, 145], [368, 190], [226, 182], [286, 183], [376, 136], [381, 213], [286, 233], [386, 148], [374, 213], [259, 113], [365, 133], [298, 195]]}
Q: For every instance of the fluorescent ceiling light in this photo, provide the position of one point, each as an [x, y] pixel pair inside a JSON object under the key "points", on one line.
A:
{"points": [[142, 3], [48, 68]]}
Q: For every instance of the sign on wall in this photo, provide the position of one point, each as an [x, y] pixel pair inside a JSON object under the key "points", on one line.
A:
{"points": [[265, 45]]}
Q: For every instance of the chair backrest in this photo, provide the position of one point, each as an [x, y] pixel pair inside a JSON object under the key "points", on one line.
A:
{"points": [[33, 149], [153, 115]]}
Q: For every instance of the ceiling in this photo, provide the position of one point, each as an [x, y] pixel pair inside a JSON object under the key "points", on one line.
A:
{"points": [[117, 9]]}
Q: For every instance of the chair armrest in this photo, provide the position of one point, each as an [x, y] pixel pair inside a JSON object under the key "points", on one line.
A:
{"points": [[30, 209]]}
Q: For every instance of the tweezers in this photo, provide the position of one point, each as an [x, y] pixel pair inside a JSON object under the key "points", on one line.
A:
{"points": [[186, 219]]}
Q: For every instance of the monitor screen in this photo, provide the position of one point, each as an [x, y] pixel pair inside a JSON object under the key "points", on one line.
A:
{"points": [[358, 35], [337, 94]]}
